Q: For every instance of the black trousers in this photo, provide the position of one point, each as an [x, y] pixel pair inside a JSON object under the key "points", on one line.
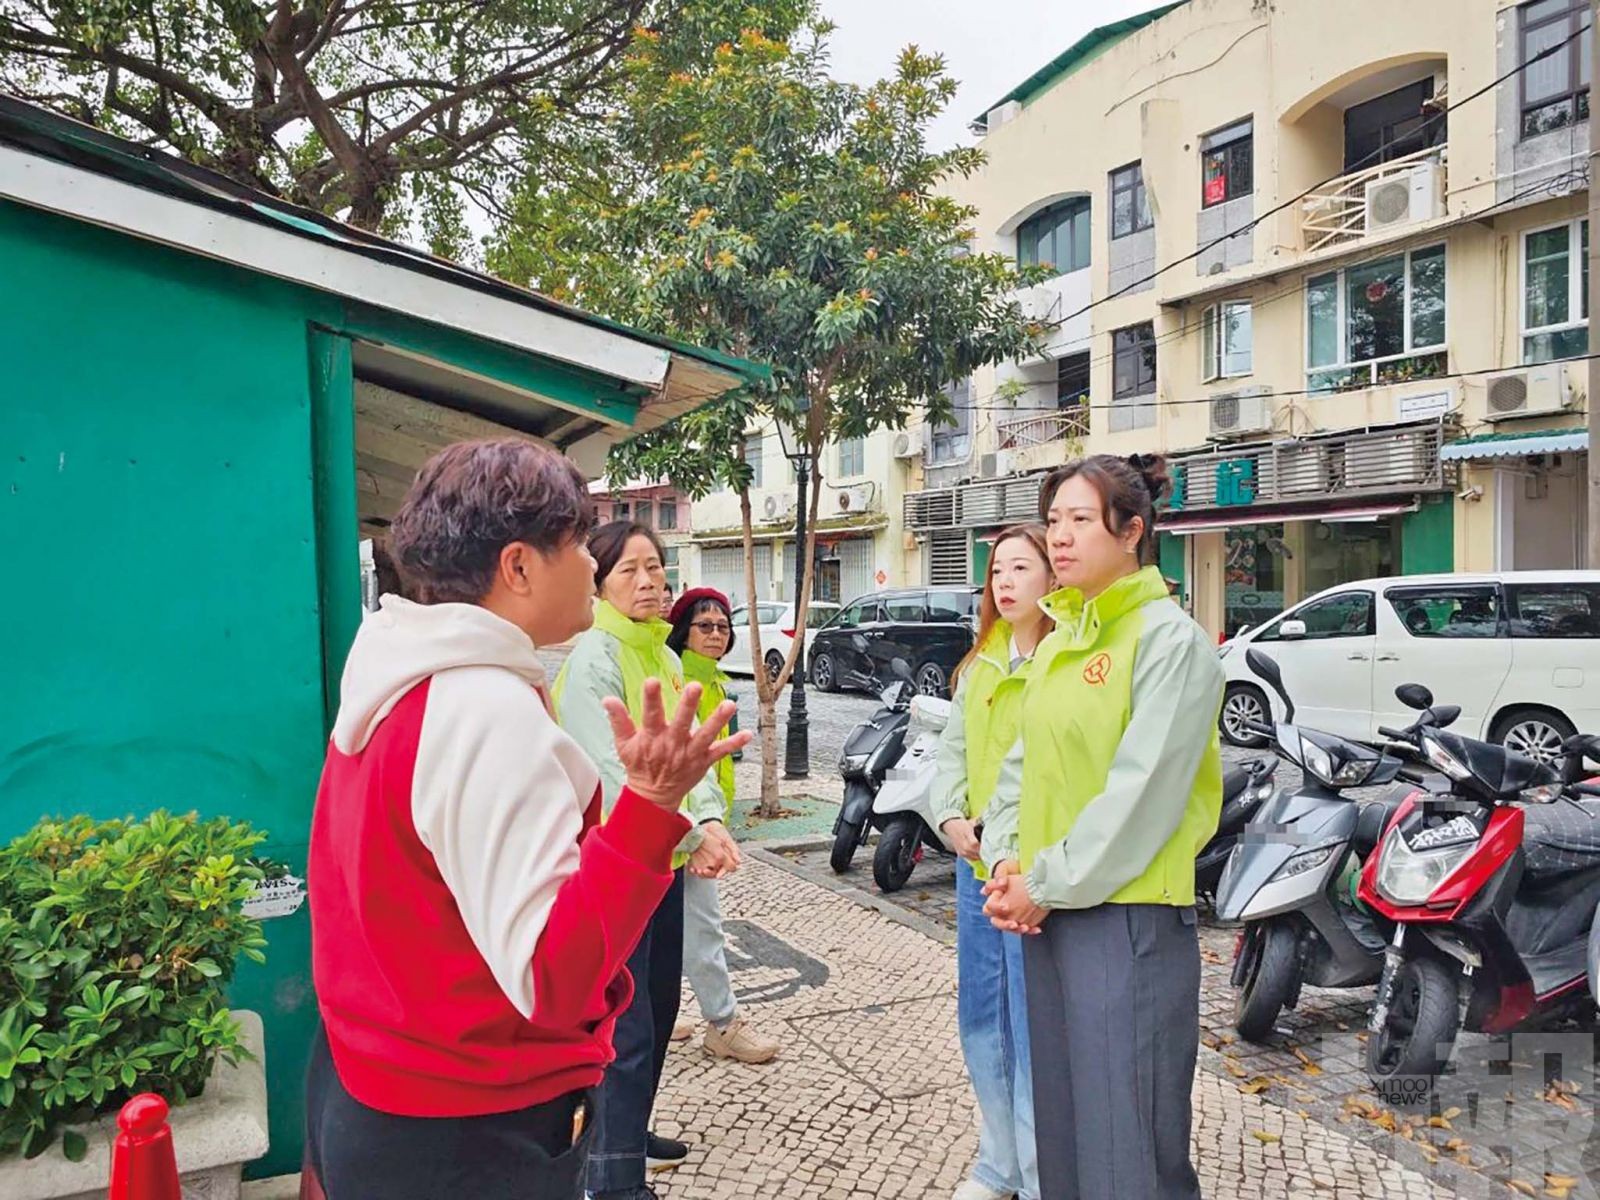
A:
{"points": [[627, 1094], [359, 1153], [1114, 1023]]}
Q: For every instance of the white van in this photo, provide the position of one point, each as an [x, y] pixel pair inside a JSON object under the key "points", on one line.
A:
{"points": [[1518, 651]]}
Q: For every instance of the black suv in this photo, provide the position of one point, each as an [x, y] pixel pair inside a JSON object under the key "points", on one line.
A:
{"points": [[930, 628]]}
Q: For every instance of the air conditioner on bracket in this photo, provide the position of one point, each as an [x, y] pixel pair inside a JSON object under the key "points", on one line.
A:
{"points": [[1529, 392], [776, 508], [1041, 303], [907, 446], [1415, 194], [855, 499], [1240, 414]]}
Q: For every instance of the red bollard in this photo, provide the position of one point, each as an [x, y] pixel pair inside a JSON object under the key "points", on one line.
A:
{"points": [[143, 1165]]}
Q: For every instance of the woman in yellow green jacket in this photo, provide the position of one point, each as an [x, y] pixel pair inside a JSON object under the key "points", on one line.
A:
{"points": [[991, 1008], [1099, 810], [702, 632], [626, 645]]}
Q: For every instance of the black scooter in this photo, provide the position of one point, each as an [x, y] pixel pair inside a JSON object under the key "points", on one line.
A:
{"points": [[1245, 788], [872, 748]]}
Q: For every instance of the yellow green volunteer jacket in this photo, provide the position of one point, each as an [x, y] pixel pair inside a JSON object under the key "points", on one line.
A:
{"points": [[613, 658], [984, 716], [1116, 779], [697, 668]]}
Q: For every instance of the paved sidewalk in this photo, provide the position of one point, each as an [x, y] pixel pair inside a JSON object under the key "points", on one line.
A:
{"points": [[870, 1099]]}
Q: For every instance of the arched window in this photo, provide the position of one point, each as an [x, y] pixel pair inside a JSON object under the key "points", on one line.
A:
{"points": [[1057, 236]]}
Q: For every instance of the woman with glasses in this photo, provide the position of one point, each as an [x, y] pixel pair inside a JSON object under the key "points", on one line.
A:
{"points": [[702, 632]]}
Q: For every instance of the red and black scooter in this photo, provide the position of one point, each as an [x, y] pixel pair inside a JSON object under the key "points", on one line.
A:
{"points": [[1492, 881]]}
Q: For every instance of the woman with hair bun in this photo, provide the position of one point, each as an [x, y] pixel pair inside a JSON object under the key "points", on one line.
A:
{"points": [[1112, 787]]}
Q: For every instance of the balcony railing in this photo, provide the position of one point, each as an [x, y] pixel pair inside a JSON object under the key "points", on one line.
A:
{"points": [[1040, 429], [1338, 212]]}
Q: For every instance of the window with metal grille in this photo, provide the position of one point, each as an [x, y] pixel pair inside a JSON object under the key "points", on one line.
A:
{"points": [[949, 557]]}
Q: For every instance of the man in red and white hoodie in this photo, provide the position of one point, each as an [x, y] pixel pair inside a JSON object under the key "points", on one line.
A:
{"points": [[470, 916]]}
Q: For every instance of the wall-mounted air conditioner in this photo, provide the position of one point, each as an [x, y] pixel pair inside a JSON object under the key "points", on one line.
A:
{"points": [[907, 446], [1041, 303], [777, 508], [1530, 392], [855, 499], [1240, 414], [1406, 197]]}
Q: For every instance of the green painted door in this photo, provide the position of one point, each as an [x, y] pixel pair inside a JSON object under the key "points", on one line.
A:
{"points": [[167, 567], [982, 551], [1428, 538]]}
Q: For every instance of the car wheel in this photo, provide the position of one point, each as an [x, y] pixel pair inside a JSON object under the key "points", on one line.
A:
{"points": [[774, 664], [1242, 705], [1534, 732], [822, 676], [931, 680]]}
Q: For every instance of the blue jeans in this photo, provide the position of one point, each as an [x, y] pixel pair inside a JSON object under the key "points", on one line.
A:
{"points": [[992, 1013], [626, 1095]]}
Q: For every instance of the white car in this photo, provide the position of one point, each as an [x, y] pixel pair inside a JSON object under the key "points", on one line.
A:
{"points": [[777, 634], [1518, 651]]}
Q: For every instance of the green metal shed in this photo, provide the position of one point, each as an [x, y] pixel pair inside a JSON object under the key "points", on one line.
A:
{"points": [[207, 396]]}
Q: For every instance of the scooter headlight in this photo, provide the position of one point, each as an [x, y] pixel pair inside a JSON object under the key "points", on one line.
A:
{"points": [[1306, 860], [852, 762], [1317, 760], [1442, 760], [1409, 874]]}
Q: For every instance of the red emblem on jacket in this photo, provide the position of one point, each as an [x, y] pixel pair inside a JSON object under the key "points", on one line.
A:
{"points": [[1098, 668]]}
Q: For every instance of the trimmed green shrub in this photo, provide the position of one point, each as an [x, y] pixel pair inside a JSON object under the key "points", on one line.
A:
{"points": [[117, 942]]}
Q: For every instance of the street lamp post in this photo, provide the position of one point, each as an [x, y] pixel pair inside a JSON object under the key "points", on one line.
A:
{"points": [[797, 745]]}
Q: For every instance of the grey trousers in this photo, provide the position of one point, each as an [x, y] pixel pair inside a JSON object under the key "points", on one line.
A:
{"points": [[1114, 1020], [705, 956]]}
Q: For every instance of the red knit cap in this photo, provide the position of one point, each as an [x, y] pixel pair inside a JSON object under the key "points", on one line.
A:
{"points": [[687, 601]]}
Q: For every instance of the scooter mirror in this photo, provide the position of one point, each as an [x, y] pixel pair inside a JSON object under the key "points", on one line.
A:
{"points": [[1445, 714], [1581, 746], [1414, 695], [900, 668], [1267, 669], [858, 643]]}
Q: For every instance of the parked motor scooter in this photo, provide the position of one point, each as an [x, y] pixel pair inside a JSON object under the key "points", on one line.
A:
{"points": [[1245, 788], [1492, 880], [871, 748], [902, 811], [1288, 878]]}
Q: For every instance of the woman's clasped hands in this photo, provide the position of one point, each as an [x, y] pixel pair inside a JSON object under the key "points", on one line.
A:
{"points": [[1009, 907]]}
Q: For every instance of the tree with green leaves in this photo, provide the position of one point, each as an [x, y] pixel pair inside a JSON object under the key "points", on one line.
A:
{"points": [[393, 113], [768, 210]]}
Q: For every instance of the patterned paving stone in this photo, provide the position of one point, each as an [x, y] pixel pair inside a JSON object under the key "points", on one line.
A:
{"points": [[869, 1100]]}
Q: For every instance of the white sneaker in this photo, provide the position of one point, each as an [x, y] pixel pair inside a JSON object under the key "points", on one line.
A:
{"points": [[973, 1190]]}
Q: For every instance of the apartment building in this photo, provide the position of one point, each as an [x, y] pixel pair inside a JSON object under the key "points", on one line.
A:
{"points": [[655, 504], [1362, 380], [859, 522]]}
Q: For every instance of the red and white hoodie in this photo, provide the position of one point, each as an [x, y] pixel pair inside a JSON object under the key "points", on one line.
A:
{"points": [[469, 916]]}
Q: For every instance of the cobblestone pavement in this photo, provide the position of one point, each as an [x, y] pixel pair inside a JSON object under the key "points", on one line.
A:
{"points": [[870, 1100], [1515, 1111]]}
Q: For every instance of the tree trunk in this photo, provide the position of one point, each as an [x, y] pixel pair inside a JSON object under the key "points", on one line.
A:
{"points": [[766, 691]]}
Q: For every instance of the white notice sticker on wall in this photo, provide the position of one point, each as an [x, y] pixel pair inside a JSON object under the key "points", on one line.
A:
{"points": [[1415, 408], [276, 898]]}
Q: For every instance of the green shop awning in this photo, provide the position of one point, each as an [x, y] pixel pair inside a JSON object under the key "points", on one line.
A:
{"points": [[1515, 445]]}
